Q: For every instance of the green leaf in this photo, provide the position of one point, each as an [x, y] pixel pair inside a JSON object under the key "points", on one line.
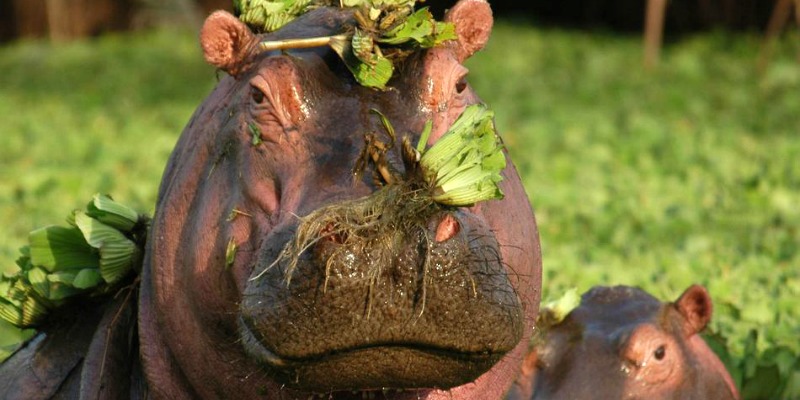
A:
{"points": [[374, 72], [87, 279], [255, 133], [416, 27], [61, 285], [117, 260], [104, 209], [268, 16], [117, 253], [96, 233], [423, 137], [230, 253], [564, 305], [38, 280], [10, 312], [33, 312], [363, 46], [464, 166], [442, 32], [56, 247], [65, 278]]}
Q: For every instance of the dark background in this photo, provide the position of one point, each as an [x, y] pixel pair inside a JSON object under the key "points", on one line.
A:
{"points": [[67, 19]]}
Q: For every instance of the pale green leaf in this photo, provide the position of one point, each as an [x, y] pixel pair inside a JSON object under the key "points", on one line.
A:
{"points": [[104, 209], [117, 259], [97, 233], [56, 247], [423, 137]]}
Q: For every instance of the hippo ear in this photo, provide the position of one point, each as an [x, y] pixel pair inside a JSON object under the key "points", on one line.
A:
{"points": [[473, 20], [695, 305], [227, 42]]}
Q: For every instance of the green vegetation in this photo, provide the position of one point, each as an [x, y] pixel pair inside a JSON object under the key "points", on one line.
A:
{"points": [[463, 167], [687, 174], [89, 257]]}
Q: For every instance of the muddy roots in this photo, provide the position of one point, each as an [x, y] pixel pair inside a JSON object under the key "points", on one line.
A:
{"points": [[374, 227]]}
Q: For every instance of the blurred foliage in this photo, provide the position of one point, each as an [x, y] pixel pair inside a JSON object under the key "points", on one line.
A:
{"points": [[687, 174]]}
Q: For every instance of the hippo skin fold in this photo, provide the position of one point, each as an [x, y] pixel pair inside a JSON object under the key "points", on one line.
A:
{"points": [[622, 343], [279, 136]]}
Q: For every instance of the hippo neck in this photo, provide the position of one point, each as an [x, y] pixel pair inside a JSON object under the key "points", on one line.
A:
{"points": [[89, 350]]}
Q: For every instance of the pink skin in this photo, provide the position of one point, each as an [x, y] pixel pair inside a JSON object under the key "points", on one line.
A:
{"points": [[190, 300]]}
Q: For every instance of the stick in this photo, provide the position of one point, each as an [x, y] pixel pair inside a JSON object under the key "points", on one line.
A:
{"points": [[300, 43]]}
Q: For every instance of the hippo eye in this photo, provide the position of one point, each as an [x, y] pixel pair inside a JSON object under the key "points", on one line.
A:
{"points": [[660, 353], [257, 95]]}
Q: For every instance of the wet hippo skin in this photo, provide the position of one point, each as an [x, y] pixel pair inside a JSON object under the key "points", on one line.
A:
{"points": [[448, 318], [622, 343]]}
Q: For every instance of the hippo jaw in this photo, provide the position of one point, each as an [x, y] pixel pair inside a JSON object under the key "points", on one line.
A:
{"points": [[443, 310]]}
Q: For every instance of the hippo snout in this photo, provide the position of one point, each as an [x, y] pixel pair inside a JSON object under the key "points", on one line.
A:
{"points": [[434, 298]]}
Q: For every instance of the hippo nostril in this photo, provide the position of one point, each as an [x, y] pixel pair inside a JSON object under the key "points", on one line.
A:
{"points": [[447, 228]]}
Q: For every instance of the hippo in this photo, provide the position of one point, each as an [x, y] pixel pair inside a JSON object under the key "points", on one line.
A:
{"points": [[445, 312], [623, 343]]}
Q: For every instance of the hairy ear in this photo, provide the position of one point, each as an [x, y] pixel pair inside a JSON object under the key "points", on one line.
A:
{"points": [[227, 42], [473, 20], [696, 307]]}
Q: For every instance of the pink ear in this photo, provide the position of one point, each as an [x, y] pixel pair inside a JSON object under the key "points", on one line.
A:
{"points": [[695, 305], [473, 20], [227, 42]]}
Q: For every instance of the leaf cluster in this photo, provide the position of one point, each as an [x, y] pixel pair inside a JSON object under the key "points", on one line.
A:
{"points": [[99, 246], [384, 32], [387, 34], [463, 167], [268, 16]]}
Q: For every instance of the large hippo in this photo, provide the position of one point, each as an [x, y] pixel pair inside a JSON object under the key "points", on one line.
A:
{"points": [[622, 343], [445, 313]]}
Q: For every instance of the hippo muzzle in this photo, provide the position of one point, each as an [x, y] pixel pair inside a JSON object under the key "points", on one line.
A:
{"points": [[418, 313]]}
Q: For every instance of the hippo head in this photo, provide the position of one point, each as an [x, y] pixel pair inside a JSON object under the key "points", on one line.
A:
{"points": [[441, 312], [622, 343]]}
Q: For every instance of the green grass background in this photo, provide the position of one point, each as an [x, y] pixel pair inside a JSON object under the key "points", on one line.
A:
{"points": [[686, 174]]}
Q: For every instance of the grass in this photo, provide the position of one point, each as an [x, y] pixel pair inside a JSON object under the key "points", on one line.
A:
{"points": [[687, 174]]}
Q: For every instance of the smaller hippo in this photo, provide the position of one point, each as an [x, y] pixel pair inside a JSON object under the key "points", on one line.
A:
{"points": [[622, 343]]}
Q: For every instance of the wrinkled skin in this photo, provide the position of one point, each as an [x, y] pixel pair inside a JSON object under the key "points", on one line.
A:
{"points": [[622, 343], [448, 316]]}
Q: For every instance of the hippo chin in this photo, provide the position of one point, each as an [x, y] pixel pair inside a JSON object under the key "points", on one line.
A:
{"points": [[441, 312], [622, 343]]}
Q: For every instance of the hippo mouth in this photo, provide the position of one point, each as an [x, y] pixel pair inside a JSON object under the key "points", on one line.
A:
{"points": [[342, 371], [422, 309]]}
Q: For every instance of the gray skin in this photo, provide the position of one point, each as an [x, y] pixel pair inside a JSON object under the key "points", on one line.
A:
{"points": [[458, 329], [622, 343]]}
